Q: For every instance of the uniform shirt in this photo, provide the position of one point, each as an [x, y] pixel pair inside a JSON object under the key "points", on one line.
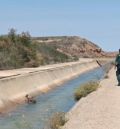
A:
{"points": [[117, 60]]}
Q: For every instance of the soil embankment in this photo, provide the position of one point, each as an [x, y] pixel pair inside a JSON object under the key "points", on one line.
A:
{"points": [[99, 110]]}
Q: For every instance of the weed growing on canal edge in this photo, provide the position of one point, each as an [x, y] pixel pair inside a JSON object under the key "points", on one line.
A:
{"points": [[85, 89], [57, 120]]}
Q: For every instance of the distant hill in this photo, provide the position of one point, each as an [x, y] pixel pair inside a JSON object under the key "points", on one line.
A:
{"points": [[75, 46]]}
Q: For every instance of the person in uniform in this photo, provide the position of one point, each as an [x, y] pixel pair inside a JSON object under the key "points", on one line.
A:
{"points": [[117, 64]]}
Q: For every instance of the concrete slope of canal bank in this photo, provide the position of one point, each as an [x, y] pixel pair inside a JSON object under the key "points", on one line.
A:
{"points": [[99, 110], [14, 88]]}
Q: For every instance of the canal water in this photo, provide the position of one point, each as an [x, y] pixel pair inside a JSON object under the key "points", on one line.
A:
{"points": [[60, 99]]}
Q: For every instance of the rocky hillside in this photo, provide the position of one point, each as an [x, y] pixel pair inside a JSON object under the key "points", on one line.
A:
{"points": [[75, 46]]}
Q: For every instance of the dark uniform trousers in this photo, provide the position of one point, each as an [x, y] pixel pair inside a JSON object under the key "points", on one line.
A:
{"points": [[118, 73]]}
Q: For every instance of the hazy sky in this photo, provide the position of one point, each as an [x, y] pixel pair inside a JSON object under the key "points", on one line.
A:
{"points": [[96, 20]]}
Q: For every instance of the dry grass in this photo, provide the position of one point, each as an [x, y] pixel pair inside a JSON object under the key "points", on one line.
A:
{"points": [[85, 89], [57, 120]]}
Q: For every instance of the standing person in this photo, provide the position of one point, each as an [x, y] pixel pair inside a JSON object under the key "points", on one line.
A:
{"points": [[117, 63]]}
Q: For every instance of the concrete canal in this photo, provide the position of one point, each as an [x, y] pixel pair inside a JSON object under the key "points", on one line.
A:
{"points": [[60, 99]]}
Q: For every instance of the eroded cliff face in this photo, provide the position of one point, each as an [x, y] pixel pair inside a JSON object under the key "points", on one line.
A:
{"points": [[75, 46]]}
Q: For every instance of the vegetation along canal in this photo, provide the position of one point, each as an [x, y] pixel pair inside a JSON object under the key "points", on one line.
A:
{"points": [[60, 99]]}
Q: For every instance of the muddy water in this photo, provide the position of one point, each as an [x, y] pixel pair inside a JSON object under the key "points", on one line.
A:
{"points": [[60, 99]]}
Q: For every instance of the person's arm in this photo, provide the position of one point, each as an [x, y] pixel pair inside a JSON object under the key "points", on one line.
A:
{"points": [[116, 60]]}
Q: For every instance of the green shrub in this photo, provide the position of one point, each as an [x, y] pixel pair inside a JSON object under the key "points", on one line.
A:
{"points": [[17, 51], [85, 89], [57, 120]]}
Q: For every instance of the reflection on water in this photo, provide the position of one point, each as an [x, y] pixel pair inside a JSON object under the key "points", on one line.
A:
{"points": [[58, 100]]}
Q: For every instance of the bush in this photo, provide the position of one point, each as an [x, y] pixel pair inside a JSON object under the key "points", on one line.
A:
{"points": [[57, 120], [17, 51], [85, 89]]}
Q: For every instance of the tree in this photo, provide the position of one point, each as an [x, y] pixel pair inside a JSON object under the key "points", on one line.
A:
{"points": [[12, 34], [25, 38]]}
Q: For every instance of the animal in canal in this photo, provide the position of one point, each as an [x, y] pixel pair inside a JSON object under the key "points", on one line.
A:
{"points": [[30, 99]]}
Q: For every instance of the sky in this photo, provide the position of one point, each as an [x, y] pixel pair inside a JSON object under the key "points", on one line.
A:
{"points": [[95, 20]]}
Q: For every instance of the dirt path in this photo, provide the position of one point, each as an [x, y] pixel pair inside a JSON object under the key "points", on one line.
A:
{"points": [[100, 110]]}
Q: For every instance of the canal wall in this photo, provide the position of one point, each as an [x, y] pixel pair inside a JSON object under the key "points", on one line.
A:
{"points": [[14, 88]]}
